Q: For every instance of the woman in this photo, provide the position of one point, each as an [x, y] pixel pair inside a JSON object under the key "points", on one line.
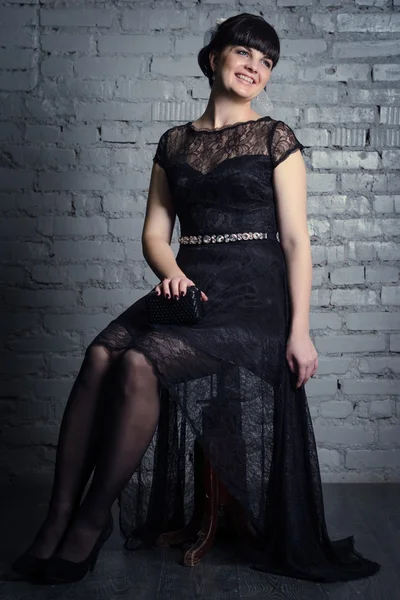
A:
{"points": [[234, 381]]}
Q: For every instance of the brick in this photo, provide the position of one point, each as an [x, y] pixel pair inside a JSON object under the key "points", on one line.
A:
{"points": [[391, 295], [57, 389], [358, 297], [365, 227], [10, 132], [46, 343], [18, 38], [395, 343], [104, 298], [325, 320], [64, 365], [76, 17], [379, 364], [350, 343], [93, 67], [348, 435], [15, 179], [333, 365], [66, 42], [14, 365], [17, 81], [88, 250], [364, 49], [38, 435], [373, 321], [381, 409], [45, 134], [356, 114], [18, 321], [339, 159], [370, 386], [41, 298], [339, 409], [13, 18], [157, 18], [15, 59], [113, 111], [72, 226], [13, 275], [378, 23], [73, 180], [388, 435], [372, 459], [321, 387], [56, 66], [66, 274], [381, 274], [383, 204], [328, 458], [76, 322], [129, 228], [347, 275], [115, 43]]}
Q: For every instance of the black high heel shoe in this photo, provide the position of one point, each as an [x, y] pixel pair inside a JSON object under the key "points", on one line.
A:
{"points": [[32, 567], [60, 570]]}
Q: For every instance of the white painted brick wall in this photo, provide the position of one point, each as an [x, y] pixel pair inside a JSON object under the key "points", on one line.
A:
{"points": [[85, 94]]}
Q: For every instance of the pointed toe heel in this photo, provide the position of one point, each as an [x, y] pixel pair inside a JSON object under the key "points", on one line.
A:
{"points": [[60, 570], [29, 566]]}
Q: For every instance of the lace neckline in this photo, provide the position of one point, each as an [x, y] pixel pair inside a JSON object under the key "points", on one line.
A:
{"points": [[207, 130]]}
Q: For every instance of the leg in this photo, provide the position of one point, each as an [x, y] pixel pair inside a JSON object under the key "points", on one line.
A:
{"points": [[136, 410], [76, 450]]}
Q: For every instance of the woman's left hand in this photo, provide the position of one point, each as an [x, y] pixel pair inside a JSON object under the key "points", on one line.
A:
{"points": [[301, 356]]}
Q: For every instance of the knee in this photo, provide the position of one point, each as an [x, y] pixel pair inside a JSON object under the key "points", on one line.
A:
{"points": [[98, 356], [136, 368]]}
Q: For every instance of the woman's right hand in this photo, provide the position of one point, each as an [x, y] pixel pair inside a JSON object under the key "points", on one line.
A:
{"points": [[174, 287]]}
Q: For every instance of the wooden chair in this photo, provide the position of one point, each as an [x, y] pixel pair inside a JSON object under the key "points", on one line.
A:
{"points": [[212, 500]]}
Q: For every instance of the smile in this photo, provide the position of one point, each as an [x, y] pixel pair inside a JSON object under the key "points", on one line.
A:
{"points": [[245, 79]]}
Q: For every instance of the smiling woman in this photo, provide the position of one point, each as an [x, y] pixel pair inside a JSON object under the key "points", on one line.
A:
{"points": [[234, 381]]}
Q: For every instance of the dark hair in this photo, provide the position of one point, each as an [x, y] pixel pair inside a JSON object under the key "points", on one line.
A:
{"points": [[244, 29]]}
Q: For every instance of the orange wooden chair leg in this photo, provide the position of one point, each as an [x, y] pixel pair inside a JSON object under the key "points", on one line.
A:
{"points": [[208, 528], [189, 532]]}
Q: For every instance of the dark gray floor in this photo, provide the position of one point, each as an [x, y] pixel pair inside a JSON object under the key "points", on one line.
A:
{"points": [[369, 511]]}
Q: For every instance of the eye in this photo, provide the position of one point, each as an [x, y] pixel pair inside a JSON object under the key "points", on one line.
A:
{"points": [[265, 60]]}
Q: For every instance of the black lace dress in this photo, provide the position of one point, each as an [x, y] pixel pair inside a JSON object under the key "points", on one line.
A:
{"points": [[225, 381]]}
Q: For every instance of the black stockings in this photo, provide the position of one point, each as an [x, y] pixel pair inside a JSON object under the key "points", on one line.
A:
{"points": [[113, 442]]}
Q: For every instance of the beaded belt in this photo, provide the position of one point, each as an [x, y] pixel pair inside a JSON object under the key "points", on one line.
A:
{"points": [[227, 237]]}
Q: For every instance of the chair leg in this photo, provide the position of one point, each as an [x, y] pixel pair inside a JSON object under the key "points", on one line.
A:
{"points": [[189, 532], [240, 522], [210, 494], [206, 535]]}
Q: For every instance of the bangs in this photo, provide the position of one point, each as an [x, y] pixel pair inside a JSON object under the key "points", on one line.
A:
{"points": [[256, 37]]}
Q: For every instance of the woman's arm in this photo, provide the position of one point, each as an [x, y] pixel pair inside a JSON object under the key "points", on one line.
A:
{"points": [[158, 227], [290, 188]]}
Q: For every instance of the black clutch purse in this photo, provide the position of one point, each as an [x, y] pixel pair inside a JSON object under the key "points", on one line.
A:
{"points": [[189, 309]]}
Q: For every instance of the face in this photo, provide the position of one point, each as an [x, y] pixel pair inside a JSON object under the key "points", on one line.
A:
{"points": [[235, 60]]}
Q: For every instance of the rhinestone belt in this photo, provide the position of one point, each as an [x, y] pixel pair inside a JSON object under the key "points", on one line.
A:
{"points": [[227, 237]]}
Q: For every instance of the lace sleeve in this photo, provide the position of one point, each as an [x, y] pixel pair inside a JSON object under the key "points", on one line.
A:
{"points": [[160, 156], [283, 143]]}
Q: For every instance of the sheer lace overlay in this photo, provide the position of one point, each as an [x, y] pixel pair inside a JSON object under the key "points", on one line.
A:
{"points": [[225, 381]]}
